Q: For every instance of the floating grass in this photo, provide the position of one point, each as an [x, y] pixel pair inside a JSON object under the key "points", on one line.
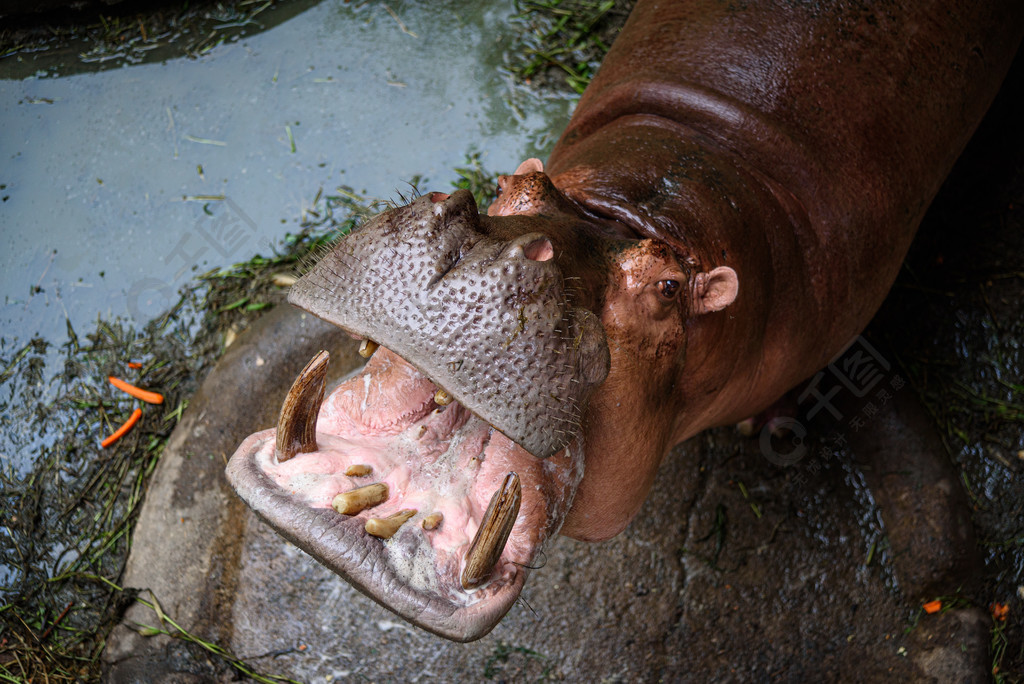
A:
{"points": [[68, 519], [563, 41], [480, 182], [121, 36]]}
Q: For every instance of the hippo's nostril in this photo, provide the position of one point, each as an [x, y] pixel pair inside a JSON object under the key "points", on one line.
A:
{"points": [[437, 197], [539, 250]]}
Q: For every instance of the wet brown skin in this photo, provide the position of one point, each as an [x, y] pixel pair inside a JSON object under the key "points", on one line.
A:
{"points": [[644, 297], [798, 145]]}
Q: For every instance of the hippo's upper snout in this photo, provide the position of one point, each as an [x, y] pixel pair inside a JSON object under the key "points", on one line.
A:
{"points": [[488, 320]]}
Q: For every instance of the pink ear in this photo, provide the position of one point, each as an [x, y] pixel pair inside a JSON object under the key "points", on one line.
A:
{"points": [[715, 290], [531, 165]]}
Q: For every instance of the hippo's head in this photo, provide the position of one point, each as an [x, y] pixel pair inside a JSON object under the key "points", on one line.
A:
{"points": [[525, 382]]}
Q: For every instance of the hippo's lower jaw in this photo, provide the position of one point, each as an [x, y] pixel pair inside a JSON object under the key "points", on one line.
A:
{"points": [[425, 508]]}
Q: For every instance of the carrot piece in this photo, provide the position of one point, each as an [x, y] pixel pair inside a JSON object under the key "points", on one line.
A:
{"points": [[144, 395], [120, 432], [134, 364], [933, 606]]}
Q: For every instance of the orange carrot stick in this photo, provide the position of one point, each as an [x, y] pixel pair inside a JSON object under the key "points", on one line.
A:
{"points": [[144, 395], [119, 432], [134, 364], [932, 606]]}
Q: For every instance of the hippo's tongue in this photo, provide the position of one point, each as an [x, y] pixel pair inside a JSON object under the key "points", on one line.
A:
{"points": [[410, 501]]}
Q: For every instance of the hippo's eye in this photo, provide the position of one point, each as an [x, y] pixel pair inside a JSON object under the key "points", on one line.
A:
{"points": [[668, 288]]}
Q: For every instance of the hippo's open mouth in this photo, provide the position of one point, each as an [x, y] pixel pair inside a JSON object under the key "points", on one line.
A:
{"points": [[418, 480]]}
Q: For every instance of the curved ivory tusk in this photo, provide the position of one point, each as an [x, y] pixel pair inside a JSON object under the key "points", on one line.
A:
{"points": [[493, 532], [296, 428]]}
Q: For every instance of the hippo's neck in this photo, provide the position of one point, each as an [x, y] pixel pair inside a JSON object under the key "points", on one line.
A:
{"points": [[666, 181]]}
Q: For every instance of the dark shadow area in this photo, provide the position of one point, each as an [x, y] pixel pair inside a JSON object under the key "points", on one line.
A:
{"points": [[954, 320], [60, 38]]}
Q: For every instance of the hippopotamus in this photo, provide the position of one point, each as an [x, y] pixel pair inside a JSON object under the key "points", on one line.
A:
{"points": [[724, 213]]}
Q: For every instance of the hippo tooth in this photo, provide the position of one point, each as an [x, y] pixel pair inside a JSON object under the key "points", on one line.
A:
{"points": [[442, 398], [283, 279], [360, 498], [432, 521], [296, 427], [385, 528], [493, 532], [422, 431], [367, 347], [358, 470]]}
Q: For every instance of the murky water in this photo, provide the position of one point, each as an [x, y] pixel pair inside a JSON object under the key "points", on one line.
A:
{"points": [[118, 185]]}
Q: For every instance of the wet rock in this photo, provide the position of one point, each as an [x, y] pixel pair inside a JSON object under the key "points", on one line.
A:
{"points": [[188, 540], [951, 646], [922, 501]]}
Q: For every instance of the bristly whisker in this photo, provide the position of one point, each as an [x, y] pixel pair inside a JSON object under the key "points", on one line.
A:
{"points": [[522, 599], [534, 567]]}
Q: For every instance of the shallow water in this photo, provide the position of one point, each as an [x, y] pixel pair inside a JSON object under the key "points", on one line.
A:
{"points": [[104, 172]]}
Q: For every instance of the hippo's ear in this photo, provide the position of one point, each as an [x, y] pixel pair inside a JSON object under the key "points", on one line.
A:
{"points": [[531, 165], [715, 290]]}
